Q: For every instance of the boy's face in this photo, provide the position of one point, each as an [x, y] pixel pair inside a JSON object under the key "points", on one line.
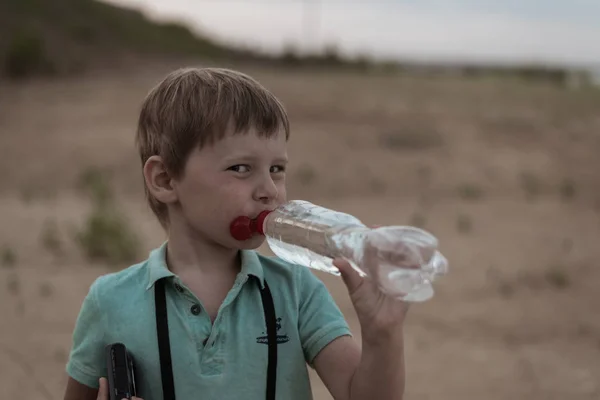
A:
{"points": [[240, 175]]}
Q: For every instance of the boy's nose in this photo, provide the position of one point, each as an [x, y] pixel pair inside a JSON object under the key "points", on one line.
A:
{"points": [[266, 191]]}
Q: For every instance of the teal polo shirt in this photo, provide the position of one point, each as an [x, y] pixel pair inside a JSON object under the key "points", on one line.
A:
{"points": [[224, 360]]}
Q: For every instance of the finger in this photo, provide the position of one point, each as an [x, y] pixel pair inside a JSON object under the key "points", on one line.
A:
{"points": [[103, 390], [350, 276]]}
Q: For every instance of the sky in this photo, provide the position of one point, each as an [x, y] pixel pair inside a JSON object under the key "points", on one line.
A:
{"points": [[560, 32]]}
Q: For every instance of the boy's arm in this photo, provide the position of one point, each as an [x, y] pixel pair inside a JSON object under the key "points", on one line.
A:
{"points": [[79, 391], [377, 370], [86, 360], [377, 373]]}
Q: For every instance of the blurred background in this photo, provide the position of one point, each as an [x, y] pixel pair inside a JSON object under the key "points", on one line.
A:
{"points": [[477, 120]]}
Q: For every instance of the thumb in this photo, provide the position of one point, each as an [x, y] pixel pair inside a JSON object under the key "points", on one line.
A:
{"points": [[350, 276], [103, 391]]}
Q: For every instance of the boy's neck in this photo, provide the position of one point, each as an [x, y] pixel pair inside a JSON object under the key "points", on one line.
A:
{"points": [[186, 254]]}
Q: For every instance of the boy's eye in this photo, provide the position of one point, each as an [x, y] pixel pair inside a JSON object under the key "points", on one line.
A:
{"points": [[240, 168], [277, 169]]}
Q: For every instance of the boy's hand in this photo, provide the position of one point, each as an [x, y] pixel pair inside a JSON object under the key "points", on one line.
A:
{"points": [[381, 316], [103, 391]]}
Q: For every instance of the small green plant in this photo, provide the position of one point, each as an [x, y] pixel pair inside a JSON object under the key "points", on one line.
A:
{"points": [[26, 55], [377, 186], [26, 195], [50, 238], [13, 285], [411, 138], [306, 175], [514, 126], [470, 191], [107, 237], [20, 307], [418, 220], [557, 277], [567, 189], [464, 224], [531, 184], [46, 290], [8, 257], [96, 184], [425, 174], [506, 289]]}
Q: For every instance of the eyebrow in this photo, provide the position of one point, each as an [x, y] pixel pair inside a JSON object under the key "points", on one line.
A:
{"points": [[283, 160], [248, 157]]}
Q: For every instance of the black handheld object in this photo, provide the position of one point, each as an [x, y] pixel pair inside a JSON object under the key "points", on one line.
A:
{"points": [[121, 372]]}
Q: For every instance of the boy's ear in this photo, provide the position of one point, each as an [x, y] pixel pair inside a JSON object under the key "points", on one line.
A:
{"points": [[158, 180]]}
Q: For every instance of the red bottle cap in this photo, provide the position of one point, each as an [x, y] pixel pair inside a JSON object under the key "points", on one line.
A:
{"points": [[242, 228], [260, 221]]}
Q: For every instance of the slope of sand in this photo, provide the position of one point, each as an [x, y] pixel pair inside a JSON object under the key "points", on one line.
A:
{"points": [[505, 174]]}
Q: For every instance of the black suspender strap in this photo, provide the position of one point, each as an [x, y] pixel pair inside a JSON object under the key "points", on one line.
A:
{"points": [[164, 348], [271, 321]]}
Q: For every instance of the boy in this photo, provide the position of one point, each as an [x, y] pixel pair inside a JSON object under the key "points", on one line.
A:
{"points": [[212, 144]]}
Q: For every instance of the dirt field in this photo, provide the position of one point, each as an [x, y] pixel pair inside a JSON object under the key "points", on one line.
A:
{"points": [[505, 174]]}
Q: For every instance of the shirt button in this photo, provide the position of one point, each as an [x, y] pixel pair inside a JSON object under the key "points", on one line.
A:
{"points": [[195, 309], [178, 288]]}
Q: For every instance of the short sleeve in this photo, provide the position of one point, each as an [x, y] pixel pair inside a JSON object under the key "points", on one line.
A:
{"points": [[320, 319], [86, 360]]}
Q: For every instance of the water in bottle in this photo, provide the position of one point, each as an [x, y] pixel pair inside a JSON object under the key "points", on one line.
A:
{"points": [[402, 260]]}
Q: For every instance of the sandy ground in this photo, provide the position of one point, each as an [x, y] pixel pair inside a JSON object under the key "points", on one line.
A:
{"points": [[505, 174]]}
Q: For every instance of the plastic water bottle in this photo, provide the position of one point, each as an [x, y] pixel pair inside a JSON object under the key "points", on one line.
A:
{"points": [[402, 260]]}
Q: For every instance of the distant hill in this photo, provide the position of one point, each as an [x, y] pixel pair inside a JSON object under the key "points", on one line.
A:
{"points": [[53, 36], [66, 36]]}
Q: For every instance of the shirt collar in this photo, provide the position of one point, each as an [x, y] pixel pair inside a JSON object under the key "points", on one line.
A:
{"points": [[251, 266], [157, 266]]}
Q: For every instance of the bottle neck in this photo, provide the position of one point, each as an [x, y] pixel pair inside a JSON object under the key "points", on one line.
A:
{"points": [[242, 228], [259, 222]]}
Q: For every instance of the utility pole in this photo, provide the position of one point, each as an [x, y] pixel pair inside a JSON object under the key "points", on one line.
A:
{"points": [[311, 21]]}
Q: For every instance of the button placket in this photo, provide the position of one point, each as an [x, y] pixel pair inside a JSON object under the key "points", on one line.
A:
{"points": [[179, 288], [195, 309]]}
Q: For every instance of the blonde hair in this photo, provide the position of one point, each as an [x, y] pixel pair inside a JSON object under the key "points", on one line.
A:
{"points": [[193, 107]]}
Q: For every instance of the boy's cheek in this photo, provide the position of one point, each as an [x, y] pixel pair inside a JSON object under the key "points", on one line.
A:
{"points": [[282, 194]]}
